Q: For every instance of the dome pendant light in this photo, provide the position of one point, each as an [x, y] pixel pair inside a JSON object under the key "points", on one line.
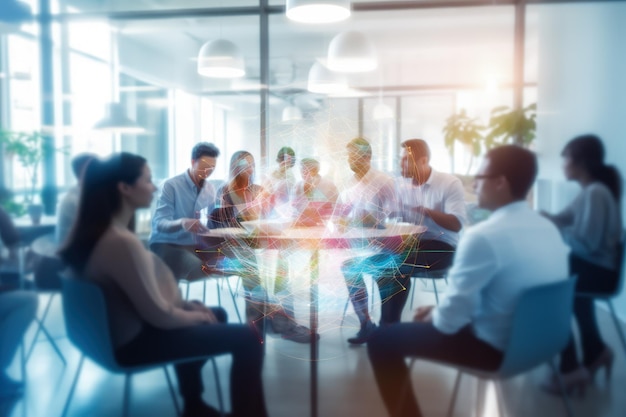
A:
{"points": [[116, 121], [317, 11], [351, 51], [291, 114], [220, 58], [324, 81]]}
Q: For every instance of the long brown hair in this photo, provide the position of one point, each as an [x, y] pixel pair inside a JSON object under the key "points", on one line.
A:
{"points": [[100, 200]]}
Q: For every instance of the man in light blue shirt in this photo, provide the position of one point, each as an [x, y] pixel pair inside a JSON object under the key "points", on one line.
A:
{"points": [[182, 205], [496, 261]]}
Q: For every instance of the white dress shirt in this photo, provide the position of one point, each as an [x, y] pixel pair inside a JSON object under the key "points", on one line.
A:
{"points": [[441, 192], [497, 260], [374, 194]]}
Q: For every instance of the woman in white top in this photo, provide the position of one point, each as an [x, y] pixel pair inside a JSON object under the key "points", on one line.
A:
{"points": [[149, 320], [592, 226]]}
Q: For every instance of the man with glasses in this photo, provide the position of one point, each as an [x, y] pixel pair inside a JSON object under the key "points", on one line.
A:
{"points": [[184, 201], [496, 261], [425, 197]]}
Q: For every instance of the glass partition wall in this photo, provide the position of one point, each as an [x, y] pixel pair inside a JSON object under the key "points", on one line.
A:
{"points": [[430, 64]]}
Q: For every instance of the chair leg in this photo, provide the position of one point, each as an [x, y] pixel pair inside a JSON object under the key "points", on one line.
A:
{"points": [[73, 387], [455, 392], [345, 310], [412, 294], [564, 396], [481, 392], [219, 293], [500, 399], [436, 293], [187, 294], [233, 296], [618, 325], [218, 388], [41, 322], [172, 392], [127, 389], [50, 339]]}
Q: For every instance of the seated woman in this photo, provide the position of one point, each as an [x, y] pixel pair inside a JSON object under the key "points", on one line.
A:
{"points": [[315, 196], [592, 226], [149, 320], [245, 200]]}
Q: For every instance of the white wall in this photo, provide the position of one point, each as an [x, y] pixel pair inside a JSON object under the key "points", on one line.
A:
{"points": [[582, 89]]}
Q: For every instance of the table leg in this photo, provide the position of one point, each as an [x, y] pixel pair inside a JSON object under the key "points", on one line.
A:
{"points": [[314, 264]]}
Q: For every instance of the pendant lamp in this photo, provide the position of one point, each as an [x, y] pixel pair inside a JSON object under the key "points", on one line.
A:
{"points": [[351, 51], [317, 11], [324, 81], [12, 14], [116, 121], [291, 114], [220, 58]]}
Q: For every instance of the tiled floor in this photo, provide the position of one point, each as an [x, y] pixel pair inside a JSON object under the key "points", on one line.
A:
{"points": [[346, 385]]}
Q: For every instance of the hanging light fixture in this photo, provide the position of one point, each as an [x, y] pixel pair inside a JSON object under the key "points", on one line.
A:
{"points": [[351, 51], [116, 121], [291, 114], [13, 14], [324, 81], [220, 58], [317, 11]]}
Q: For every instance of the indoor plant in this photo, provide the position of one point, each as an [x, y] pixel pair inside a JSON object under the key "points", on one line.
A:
{"points": [[461, 128], [508, 125], [27, 149]]}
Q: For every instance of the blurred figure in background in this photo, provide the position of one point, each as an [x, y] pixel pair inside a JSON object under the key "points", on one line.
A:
{"points": [[17, 308], [592, 226], [280, 183], [68, 206], [149, 321]]}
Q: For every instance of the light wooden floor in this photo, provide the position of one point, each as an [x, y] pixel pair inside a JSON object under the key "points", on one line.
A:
{"points": [[346, 385]]}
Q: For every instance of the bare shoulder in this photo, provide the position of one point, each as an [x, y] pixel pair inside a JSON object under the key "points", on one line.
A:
{"points": [[119, 241]]}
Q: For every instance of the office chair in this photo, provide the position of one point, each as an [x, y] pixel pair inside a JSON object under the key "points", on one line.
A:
{"points": [[540, 330], [87, 324]]}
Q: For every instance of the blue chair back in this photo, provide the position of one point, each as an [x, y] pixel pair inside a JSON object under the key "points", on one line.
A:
{"points": [[541, 327], [87, 323]]}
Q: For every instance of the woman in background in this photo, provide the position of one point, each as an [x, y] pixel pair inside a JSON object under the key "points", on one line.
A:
{"points": [[592, 226], [149, 320]]}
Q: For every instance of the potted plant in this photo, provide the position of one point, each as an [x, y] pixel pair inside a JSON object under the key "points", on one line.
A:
{"points": [[508, 125], [461, 128], [27, 149]]}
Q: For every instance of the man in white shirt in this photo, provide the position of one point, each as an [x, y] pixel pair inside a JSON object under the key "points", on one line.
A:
{"points": [[371, 195], [496, 261], [427, 197]]}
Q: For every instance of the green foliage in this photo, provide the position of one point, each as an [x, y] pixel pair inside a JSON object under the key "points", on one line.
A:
{"points": [[461, 128], [27, 148], [512, 126]]}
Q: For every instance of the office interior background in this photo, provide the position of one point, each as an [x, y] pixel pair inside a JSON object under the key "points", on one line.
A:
{"points": [[60, 71]]}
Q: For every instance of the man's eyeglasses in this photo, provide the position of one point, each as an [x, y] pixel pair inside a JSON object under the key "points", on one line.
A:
{"points": [[486, 176]]}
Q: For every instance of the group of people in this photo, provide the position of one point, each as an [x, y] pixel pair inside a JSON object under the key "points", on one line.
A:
{"points": [[488, 265]]}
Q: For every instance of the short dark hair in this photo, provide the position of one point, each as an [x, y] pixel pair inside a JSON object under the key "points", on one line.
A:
{"points": [[518, 165], [285, 150], [80, 161], [419, 147], [204, 149], [361, 145]]}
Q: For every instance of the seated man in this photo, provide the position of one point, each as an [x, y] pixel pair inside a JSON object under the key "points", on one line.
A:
{"points": [[433, 199], [176, 220], [496, 261], [314, 194]]}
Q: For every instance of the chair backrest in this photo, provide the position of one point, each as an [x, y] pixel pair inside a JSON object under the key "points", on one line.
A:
{"points": [[541, 326], [87, 323]]}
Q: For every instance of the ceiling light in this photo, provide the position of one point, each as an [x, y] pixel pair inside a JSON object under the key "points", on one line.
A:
{"points": [[291, 114], [116, 121], [324, 81], [317, 11], [13, 14], [220, 58], [351, 51]]}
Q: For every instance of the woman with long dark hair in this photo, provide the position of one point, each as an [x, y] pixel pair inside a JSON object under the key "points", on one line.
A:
{"points": [[149, 320], [592, 226]]}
